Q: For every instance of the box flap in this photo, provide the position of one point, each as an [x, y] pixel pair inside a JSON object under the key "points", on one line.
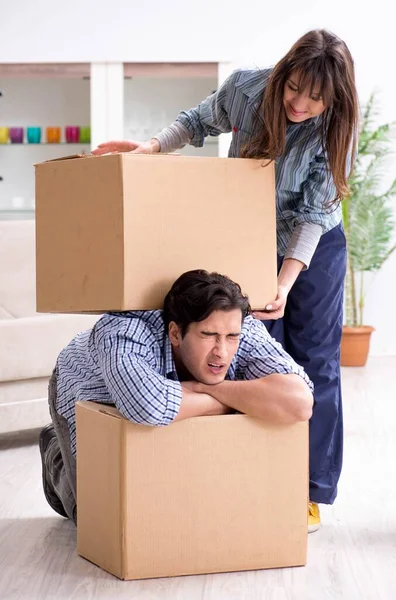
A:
{"points": [[68, 157], [98, 407]]}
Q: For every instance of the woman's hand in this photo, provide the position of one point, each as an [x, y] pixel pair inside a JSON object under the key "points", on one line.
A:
{"points": [[150, 147], [288, 274], [276, 309]]}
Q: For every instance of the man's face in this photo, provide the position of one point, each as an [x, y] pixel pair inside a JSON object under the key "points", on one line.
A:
{"points": [[205, 352]]}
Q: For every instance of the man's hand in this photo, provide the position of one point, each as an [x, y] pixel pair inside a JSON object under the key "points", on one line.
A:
{"points": [[113, 147], [198, 404], [206, 390], [195, 386]]}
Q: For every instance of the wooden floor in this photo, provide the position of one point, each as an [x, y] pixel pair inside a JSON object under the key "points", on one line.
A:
{"points": [[352, 556]]}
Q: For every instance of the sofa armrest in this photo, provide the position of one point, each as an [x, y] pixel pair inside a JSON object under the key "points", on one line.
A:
{"points": [[29, 346]]}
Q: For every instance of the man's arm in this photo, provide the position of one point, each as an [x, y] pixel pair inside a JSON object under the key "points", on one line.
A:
{"points": [[145, 396], [276, 398], [195, 404], [135, 385]]}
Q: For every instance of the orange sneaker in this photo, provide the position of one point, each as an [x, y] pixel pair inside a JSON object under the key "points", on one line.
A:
{"points": [[314, 522]]}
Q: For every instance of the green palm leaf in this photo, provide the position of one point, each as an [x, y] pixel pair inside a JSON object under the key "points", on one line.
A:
{"points": [[368, 215]]}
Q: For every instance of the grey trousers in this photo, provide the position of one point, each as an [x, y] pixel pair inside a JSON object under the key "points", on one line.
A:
{"points": [[59, 464]]}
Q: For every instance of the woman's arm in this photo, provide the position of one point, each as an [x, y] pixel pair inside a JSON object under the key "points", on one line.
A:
{"points": [[191, 127]]}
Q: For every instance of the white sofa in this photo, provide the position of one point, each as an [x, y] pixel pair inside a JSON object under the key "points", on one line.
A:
{"points": [[29, 342]]}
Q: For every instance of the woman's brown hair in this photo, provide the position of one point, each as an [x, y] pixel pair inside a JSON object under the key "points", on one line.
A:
{"points": [[324, 64]]}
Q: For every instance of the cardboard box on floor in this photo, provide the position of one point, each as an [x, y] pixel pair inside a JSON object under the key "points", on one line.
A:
{"points": [[204, 495], [114, 232]]}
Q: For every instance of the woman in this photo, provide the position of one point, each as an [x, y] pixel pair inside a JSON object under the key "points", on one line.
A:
{"points": [[303, 114]]}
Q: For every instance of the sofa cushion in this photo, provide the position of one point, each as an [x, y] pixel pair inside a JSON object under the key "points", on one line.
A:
{"points": [[30, 346], [17, 269], [23, 390]]}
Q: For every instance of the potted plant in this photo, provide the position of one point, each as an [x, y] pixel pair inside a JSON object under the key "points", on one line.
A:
{"points": [[368, 220]]}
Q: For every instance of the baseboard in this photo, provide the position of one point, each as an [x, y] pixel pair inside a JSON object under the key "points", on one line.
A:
{"points": [[26, 414]]}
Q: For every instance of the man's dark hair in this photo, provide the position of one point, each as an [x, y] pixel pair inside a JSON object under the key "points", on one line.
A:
{"points": [[196, 294]]}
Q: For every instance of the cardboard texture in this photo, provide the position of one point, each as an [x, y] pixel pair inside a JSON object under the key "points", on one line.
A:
{"points": [[114, 232], [204, 495]]}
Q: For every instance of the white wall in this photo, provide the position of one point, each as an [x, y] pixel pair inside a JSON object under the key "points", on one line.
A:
{"points": [[176, 30], [133, 30]]}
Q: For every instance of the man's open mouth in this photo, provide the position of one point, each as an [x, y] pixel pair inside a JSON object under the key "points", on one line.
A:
{"points": [[216, 367]]}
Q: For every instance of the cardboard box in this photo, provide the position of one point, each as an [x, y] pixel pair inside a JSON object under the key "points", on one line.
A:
{"points": [[204, 495], [114, 232]]}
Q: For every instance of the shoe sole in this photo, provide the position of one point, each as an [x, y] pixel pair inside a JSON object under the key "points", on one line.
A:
{"points": [[313, 528]]}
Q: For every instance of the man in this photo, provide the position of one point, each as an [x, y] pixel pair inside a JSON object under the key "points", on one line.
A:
{"points": [[202, 355]]}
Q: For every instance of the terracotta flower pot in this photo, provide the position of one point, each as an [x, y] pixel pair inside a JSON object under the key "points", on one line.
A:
{"points": [[355, 344]]}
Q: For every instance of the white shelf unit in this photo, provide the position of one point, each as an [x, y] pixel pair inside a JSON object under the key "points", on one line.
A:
{"points": [[123, 100]]}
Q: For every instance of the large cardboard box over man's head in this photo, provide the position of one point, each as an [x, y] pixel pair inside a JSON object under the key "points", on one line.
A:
{"points": [[114, 232], [203, 495]]}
